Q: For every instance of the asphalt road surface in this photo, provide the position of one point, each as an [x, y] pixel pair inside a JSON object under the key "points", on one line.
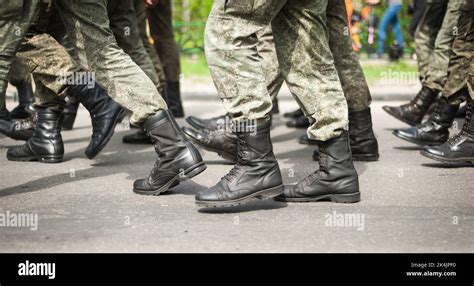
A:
{"points": [[409, 203]]}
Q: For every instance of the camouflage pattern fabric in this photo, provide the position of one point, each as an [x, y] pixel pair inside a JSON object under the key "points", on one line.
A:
{"points": [[302, 45]]}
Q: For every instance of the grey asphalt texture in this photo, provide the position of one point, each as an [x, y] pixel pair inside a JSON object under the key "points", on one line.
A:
{"points": [[409, 203]]}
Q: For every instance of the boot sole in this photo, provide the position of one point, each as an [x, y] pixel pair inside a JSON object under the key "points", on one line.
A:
{"points": [[468, 160], [401, 118], [107, 138], [419, 143], [335, 198], [38, 158], [188, 174], [261, 195]]}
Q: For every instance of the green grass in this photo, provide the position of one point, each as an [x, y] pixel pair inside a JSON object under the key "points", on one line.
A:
{"points": [[374, 70], [196, 66]]}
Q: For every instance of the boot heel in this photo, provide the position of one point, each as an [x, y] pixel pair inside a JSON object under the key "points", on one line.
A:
{"points": [[271, 193], [195, 170], [51, 159], [346, 198]]}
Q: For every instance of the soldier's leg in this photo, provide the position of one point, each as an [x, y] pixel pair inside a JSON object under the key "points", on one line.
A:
{"points": [[426, 34], [123, 23], [142, 21], [88, 27], [364, 145], [161, 30], [460, 148], [15, 19], [21, 79], [438, 71], [302, 48]]}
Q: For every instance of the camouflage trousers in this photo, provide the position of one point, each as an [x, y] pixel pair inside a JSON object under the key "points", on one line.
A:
{"points": [[460, 62], [99, 53], [143, 26], [160, 19], [126, 30], [302, 45], [346, 62], [15, 19], [434, 38]]}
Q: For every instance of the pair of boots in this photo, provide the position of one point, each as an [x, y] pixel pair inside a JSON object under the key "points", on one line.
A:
{"points": [[175, 106], [256, 173], [46, 144], [433, 134], [20, 122], [213, 135]]}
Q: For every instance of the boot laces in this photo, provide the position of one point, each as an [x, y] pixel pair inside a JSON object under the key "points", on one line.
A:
{"points": [[323, 157], [465, 129], [241, 160]]}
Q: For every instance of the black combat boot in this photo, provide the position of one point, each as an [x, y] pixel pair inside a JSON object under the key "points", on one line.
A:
{"points": [[178, 159], [255, 175], [173, 94], [221, 141], [139, 137], [294, 114], [460, 148], [25, 108], [435, 130], [364, 145], [298, 122], [336, 180], [105, 114], [214, 123], [46, 144], [18, 129], [69, 113], [413, 112]]}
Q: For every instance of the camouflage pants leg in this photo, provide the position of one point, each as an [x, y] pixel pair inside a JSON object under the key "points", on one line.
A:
{"points": [[347, 63], [142, 21], [426, 33], [46, 59], [438, 68], [306, 61], [88, 28], [160, 18], [461, 57], [267, 51], [123, 22], [15, 18]]}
